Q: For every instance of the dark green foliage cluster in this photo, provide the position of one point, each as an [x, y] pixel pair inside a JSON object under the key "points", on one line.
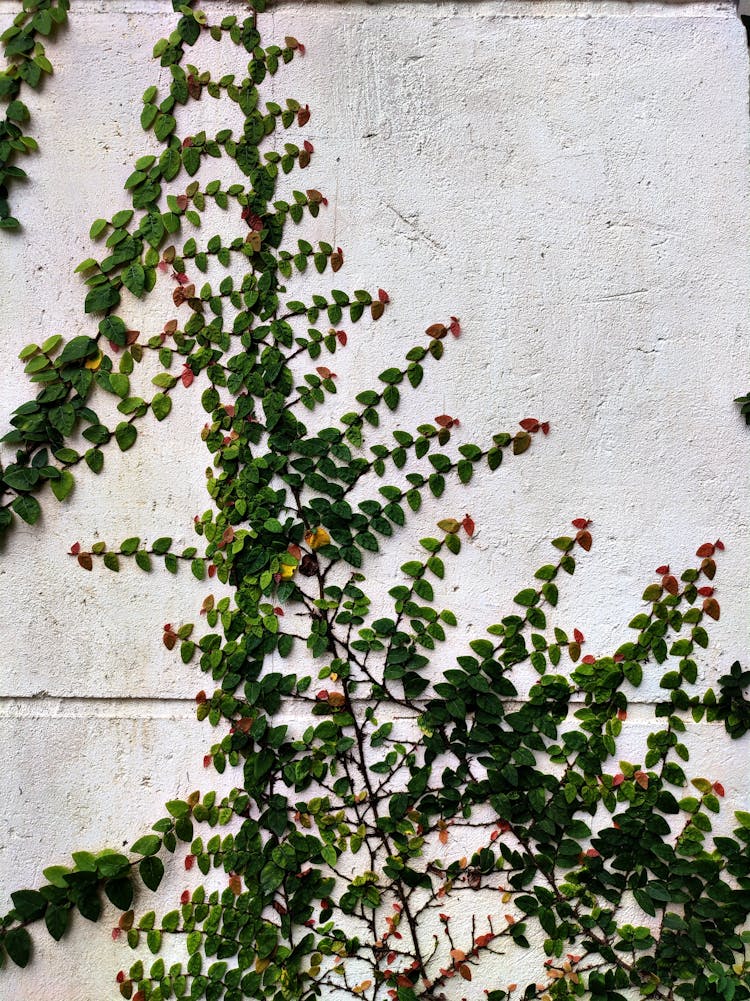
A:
{"points": [[27, 65], [385, 788]]}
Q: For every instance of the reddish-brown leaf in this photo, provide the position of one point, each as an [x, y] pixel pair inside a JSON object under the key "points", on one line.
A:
{"points": [[308, 146], [341, 337], [662, 569], [641, 779], [578, 636], [75, 549], [530, 424], [303, 116], [718, 788], [468, 525], [705, 592], [465, 972], [588, 659], [437, 330], [169, 640], [455, 326], [584, 540], [669, 583], [85, 560], [376, 309], [719, 545], [707, 549], [325, 373], [711, 608], [708, 567], [383, 296], [187, 376], [580, 523]]}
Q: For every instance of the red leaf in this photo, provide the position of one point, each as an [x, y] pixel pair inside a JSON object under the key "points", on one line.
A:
{"points": [[707, 549], [116, 933], [187, 376], [618, 780], [322, 695], [444, 421], [719, 545], [662, 570], [190, 859], [530, 424], [705, 592], [308, 146], [341, 336], [718, 788], [75, 549], [163, 267], [181, 278], [301, 48], [303, 115], [294, 550], [578, 636], [468, 525], [642, 779], [120, 977], [592, 853], [588, 659], [545, 427], [622, 714], [383, 296], [212, 570], [580, 523], [455, 326], [207, 759], [278, 611], [201, 697], [325, 373], [185, 897], [618, 658]]}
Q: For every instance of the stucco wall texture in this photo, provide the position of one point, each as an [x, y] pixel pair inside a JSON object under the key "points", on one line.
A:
{"points": [[571, 180]]}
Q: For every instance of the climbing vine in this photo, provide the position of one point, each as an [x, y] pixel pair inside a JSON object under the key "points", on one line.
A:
{"points": [[404, 819], [27, 64]]}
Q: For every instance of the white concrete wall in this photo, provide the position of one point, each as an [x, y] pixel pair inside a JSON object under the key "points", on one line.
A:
{"points": [[571, 179]]}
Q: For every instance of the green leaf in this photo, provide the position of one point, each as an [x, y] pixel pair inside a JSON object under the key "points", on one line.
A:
{"points": [[125, 435], [27, 508], [147, 845], [77, 349], [62, 486], [97, 228], [56, 920], [101, 298], [30, 904], [151, 870], [161, 406], [18, 946], [134, 279]]}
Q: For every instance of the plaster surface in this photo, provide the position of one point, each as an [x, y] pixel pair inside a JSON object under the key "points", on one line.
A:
{"points": [[570, 179]]}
